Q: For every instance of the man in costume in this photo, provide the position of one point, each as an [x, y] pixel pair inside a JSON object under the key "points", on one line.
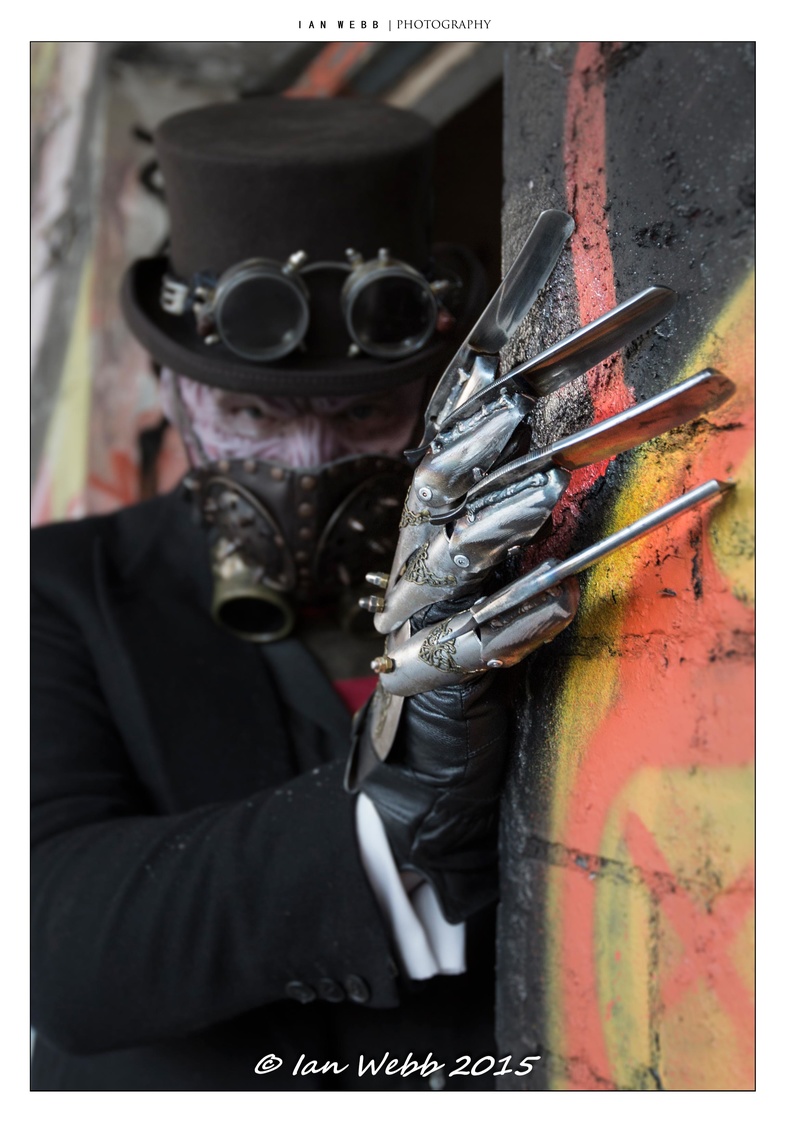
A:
{"points": [[210, 899]]}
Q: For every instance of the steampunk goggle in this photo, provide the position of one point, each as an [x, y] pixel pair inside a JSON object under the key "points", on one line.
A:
{"points": [[261, 309]]}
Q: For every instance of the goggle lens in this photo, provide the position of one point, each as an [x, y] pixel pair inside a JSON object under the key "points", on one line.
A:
{"points": [[392, 315], [263, 317]]}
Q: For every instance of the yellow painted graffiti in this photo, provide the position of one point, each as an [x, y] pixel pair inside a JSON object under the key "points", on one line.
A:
{"points": [[701, 821], [591, 693]]}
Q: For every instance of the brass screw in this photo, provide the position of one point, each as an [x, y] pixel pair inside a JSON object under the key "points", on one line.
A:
{"points": [[379, 580], [383, 665], [372, 603]]}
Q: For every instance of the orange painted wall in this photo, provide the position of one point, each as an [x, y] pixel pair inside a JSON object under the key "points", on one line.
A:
{"points": [[655, 773], [640, 900]]}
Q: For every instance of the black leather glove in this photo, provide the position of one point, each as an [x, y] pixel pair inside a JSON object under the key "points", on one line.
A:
{"points": [[438, 789], [437, 792]]}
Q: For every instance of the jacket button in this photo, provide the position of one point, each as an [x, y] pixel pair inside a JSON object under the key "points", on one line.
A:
{"points": [[300, 991], [356, 988], [330, 990]]}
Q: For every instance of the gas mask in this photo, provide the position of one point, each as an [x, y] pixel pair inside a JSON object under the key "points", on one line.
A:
{"points": [[282, 536]]}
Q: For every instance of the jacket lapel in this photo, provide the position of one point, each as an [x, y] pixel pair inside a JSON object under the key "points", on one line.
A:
{"points": [[304, 686]]}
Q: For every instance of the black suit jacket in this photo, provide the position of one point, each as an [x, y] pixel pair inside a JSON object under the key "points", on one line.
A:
{"points": [[195, 868]]}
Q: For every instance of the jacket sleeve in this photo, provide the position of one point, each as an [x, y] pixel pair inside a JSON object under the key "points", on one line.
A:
{"points": [[148, 926]]}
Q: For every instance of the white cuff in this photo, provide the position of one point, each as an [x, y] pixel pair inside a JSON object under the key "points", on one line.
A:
{"points": [[427, 943]]}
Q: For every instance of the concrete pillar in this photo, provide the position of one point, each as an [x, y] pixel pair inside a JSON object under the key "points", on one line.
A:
{"points": [[626, 921]]}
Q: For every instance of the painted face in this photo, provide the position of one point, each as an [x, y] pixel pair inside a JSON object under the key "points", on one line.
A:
{"points": [[298, 431]]}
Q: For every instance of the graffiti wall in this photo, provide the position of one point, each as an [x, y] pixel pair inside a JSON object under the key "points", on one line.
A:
{"points": [[626, 952]]}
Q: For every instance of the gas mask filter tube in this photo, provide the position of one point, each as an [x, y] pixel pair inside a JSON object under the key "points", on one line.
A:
{"points": [[252, 574]]}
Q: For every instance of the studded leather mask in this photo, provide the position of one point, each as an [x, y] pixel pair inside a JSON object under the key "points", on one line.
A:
{"points": [[280, 536], [284, 535]]}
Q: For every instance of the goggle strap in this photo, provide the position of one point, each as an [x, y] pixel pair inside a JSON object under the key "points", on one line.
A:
{"points": [[174, 295]]}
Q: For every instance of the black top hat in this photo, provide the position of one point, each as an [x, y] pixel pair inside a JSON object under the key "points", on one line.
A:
{"points": [[264, 179]]}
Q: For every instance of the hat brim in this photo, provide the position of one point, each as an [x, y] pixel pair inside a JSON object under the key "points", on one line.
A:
{"points": [[174, 342]]}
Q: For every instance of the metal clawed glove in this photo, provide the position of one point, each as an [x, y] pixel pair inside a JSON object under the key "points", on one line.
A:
{"points": [[432, 744], [432, 747]]}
